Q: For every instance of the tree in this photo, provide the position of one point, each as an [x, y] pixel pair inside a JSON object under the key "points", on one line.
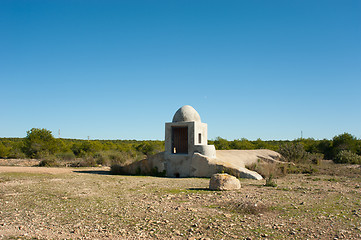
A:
{"points": [[293, 152], [4, 150], [325, 147], [39, 143], [342, 142], [221, 144], [84, 148], [243, 144]]}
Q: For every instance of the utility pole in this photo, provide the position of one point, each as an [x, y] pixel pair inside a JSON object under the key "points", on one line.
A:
{"points": [[59, 133], [301, 134]]}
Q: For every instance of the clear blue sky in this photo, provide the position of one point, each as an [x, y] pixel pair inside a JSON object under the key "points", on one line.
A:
{"points": [[120, 69]]}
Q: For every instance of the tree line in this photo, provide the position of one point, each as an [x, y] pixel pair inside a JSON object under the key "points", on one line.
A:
{"points": [[343, 148], [41, 144]]}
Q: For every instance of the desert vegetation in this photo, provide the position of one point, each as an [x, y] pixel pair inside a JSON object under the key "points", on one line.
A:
{"points": [[303, 150], [40, 144]]}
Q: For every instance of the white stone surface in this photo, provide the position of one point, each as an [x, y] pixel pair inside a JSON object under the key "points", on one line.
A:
{"points": [[243, 158], [186, 114], [203, 166]]}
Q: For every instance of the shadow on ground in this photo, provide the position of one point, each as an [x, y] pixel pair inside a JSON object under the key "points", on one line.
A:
{"points": [[99, 172], [199, 189]]}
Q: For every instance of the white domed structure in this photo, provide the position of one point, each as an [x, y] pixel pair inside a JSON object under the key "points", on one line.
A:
{"points": [[185, 136], [187, 153], [186, 114]]}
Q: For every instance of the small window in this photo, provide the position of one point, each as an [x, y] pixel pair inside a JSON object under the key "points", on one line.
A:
{"points": [[199, 138]]}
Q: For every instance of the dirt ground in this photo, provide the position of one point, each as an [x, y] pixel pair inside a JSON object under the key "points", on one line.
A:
{"points": [[89, 203]]}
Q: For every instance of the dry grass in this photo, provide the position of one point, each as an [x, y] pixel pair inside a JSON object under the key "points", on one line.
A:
{"points": [[246, 207]]}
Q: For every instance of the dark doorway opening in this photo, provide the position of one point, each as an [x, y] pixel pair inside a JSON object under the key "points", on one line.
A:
{"points": [[179, 140]]}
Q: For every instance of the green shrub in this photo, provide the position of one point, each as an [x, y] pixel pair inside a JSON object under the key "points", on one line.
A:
{"points": [[67, 156], [325, 147], [346, 156], [149, 148], [101, 158], [86, 148], [315, 158], [16, 154], [293, 152], [112, 157], [221, 144], [50, 162], [243, 144], [270, 182], [4, 151], [16, 149], [88, 162], [301, 168]]}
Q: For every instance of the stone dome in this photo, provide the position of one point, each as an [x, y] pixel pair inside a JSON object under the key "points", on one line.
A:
{"points": [[186, 114]]}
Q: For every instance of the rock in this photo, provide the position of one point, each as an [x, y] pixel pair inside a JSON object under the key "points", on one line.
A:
{"points": [[198, 165], [203, 166], [223, 181]]}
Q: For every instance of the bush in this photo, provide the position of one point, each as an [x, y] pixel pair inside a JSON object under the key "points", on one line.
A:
{"points": [[267, 170], [50, 162], [88, 162], [271, 171], [243, 144], [346, 156], [301, 168], [102, 158], [270, 182], [4, 151], [221, 144], [149, 148], [67, 156], [315, 158], [293, 152], [16, 149], [112, 157], [86, 148], [325, 147]]}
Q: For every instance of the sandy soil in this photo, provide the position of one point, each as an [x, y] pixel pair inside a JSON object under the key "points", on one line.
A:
{"points": [[48, 170]]}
